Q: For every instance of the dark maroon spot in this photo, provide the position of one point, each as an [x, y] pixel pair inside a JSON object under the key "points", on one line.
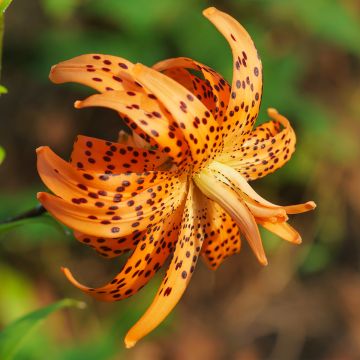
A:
{"points": [[116, 78], [123, 66]]}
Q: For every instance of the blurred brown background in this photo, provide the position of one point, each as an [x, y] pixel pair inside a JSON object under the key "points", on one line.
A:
{"points": [[306, 303]]}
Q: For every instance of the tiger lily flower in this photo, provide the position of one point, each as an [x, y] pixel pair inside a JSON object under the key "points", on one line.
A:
{"points": [[179, 186]]}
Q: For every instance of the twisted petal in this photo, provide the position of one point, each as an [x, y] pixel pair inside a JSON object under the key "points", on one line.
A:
{"points": [[283, 230], [246, 87], [101, 72], [179, 273], [233, 204], [199, 128], [144, 113], [197, 86], [260, 208], [151, 252], [107, 206], [111, 247], [263, 154], [222, 237], [97, 155], [214, 88]]}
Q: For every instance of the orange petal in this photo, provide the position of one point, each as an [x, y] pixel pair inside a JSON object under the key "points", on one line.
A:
{"points": [[197, 86], [179, 273], [263, 132], [92, 154], [232, 203], [246, 87], [217, 90], [97, 222], [151, 252], [259, 207], [259, 156], [111, 247], [200, 129], [283, 230], [222, 238], [67, 181], [101, 72], [144, 113], [133, 139], [107, 205]]}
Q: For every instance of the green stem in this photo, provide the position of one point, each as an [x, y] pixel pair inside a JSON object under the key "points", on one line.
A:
{"points": [[35, 212]]}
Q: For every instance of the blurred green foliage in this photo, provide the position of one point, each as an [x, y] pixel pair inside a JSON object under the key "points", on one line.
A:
{"points": [[310, 57], [4, 4], [13, 337], [2, 154]]}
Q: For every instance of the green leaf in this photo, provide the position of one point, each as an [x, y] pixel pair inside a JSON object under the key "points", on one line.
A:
{"points": [[43, 219], [3, 90], [2, 154], [14, 335], [4, 5]]}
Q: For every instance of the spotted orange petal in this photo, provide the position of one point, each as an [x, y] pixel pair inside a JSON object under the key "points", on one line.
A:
{"points": [[179, 273], [232, 203], [151, 252], [85, 199], [199, 128], [104, 156], [196, 85], [147, 114], [259, 155], [222, 237], [101, 72], [133, 140], [110, 247], [246, 87], [216, 90], [68, 181]]}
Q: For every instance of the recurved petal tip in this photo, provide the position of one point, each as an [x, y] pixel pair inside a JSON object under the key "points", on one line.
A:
{"points": [[52, 71], [129, 343], [54, 75], [209, 11], [40, 149], [297, 240], [263, 261], [310, 205], [272, 111], [40, 196], [77, 104], [71, 278], [64, 269]]}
